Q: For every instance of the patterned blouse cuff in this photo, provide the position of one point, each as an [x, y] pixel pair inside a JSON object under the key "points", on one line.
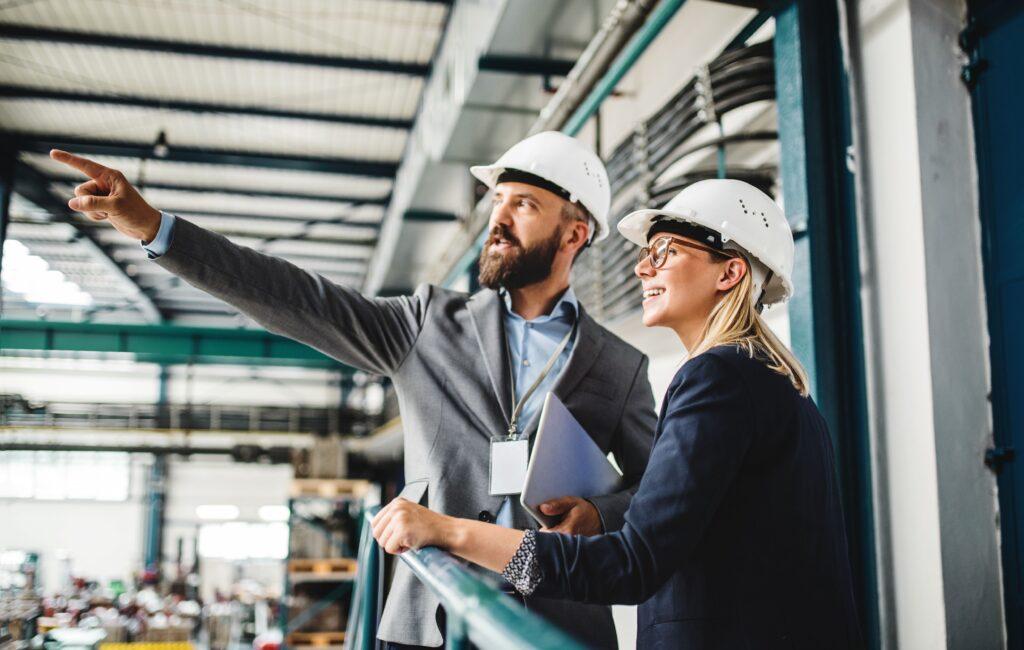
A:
{"points": [[523, 570]]}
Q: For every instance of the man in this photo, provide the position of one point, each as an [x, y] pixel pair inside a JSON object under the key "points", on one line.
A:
{"points": [[463, 366]]}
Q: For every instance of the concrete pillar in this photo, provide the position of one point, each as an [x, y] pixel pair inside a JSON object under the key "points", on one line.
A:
{"points": [[923, 303]]}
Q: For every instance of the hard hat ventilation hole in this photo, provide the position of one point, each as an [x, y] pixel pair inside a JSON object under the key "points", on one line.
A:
{"points": [[744, 206]]}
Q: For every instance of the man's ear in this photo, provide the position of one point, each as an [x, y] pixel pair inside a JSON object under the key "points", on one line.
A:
{"points": [[578, 233], [732, 272]]}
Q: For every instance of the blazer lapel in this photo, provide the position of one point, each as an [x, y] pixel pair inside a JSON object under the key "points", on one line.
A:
{"points": [[589, 342], [485, 313]]}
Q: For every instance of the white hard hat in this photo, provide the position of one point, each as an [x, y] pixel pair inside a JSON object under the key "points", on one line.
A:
{"points": [[747, 220], [564, 161]]}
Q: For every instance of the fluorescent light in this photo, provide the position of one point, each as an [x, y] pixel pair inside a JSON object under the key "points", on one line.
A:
{"points": [[32, 277], [274, 513], [217, 512]]}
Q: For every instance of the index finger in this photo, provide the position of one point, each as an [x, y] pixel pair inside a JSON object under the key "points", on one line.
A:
{"points": [[88, 167]]}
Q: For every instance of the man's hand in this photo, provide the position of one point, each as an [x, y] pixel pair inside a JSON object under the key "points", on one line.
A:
{"points": [[108, 195], [579, 516]]}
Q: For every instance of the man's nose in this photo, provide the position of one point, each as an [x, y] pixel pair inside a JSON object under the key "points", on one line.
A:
{"points": [[501, 213]]}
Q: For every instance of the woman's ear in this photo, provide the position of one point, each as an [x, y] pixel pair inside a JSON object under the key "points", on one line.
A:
{"points": [[732, 272]]}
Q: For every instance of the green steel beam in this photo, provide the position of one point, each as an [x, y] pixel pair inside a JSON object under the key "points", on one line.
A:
{"points": [[166, 344], [825, 311]]}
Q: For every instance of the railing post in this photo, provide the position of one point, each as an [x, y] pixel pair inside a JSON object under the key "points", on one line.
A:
{"points": [[455, 633]]}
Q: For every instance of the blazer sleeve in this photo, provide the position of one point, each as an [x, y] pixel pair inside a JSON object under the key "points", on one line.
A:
{"points": [[631, 446], [706, 432], [373, 334]]}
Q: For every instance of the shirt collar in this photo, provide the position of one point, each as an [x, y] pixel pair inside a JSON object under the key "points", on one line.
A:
{"points": [[567, 306]]}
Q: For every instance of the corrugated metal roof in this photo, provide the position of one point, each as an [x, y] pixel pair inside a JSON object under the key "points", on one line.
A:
{"points": [[263, 78], [383, 29], [158, 75], [216, 131]]}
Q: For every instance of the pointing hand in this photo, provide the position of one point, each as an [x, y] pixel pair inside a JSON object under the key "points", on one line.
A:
{"points": [[108, 195]]}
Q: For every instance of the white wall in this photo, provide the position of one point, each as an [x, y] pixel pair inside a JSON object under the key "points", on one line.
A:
{"points": [[216, 481], [105, 540], [99, 539], [936, 512]]}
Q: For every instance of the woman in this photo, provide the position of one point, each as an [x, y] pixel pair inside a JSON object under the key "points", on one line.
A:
{"points": [[735, 537]]}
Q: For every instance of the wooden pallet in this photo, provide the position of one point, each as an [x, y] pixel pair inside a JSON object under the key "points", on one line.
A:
{"points": [[316, 639], [330, 488], [325, 565]]}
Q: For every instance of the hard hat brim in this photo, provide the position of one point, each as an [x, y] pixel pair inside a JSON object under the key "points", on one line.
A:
{"points": [[487, 174], [635, 225]]}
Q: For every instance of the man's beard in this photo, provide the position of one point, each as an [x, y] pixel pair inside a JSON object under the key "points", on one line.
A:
{"points": [[519, 267]]}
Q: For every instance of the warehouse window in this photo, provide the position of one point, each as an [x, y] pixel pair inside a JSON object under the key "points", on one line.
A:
{"points": [[60, 475], [236, 540]]}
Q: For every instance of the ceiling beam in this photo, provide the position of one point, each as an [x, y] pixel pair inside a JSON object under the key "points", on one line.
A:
{"points": [[168, 46], [90, 147], [32, 185], [290, 220], [267, 239], [270, 194], [752, 4], [25, 92], [525, 65], [429, 216]]}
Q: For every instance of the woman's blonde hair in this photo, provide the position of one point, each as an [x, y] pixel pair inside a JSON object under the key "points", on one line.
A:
{"points": [[736, 321]]}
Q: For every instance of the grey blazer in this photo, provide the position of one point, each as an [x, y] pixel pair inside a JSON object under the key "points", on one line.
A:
{"points": [[445, 353]]}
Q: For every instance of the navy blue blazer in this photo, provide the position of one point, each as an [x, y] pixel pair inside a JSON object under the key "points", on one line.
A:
{"points": [[735, 538]]}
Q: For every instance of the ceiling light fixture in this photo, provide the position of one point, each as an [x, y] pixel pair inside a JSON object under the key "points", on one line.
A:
{"points": [[160, 147], [32, 277]]}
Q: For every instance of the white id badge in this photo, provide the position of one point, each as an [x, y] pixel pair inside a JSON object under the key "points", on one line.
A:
{"points": [[508, 466]]}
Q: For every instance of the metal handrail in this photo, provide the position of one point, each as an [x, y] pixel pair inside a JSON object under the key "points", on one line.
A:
{"points": [[476, 611], [367, 592]]}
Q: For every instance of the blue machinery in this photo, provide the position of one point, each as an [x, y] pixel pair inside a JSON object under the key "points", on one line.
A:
{"points": [[476, 611]]}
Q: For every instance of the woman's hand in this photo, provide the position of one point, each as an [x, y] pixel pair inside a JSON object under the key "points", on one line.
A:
{"points": [[402, 525]]}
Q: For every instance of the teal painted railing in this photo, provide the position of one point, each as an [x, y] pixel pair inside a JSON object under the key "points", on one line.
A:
{"points": [[476, 611], [368, 592]]}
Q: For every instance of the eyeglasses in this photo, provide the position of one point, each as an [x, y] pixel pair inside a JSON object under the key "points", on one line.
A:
{"points": [[659, 248]]}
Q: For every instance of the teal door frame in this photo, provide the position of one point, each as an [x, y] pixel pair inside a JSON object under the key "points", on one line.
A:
{"points": [[825, 313], [994, 43]]}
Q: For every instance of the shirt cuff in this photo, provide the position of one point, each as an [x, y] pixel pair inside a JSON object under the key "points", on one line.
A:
{"points": [[523, 570], [162, 241]]}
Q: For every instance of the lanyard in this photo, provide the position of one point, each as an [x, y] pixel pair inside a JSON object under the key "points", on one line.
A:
{"points": [[513, 430]]}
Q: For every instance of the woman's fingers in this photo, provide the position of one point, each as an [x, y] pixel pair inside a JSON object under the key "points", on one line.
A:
{"points": [[389, 540]]}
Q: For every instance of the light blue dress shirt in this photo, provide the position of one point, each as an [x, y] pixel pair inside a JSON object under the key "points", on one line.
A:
{"points": [[162, 241], [530, 343]]}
